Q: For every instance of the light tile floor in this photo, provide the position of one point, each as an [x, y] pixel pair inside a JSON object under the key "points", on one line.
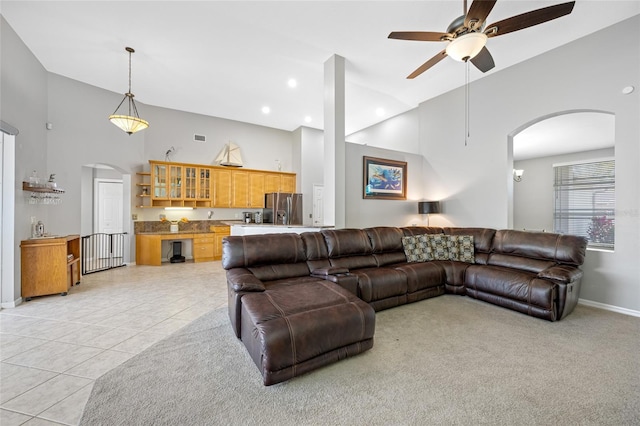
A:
{"points": [[53, 348]]}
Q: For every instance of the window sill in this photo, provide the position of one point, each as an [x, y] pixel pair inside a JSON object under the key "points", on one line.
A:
{"points": [[601, 250]]}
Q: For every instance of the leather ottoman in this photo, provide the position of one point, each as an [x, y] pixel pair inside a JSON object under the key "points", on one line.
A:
{"points": [[291, 332]]}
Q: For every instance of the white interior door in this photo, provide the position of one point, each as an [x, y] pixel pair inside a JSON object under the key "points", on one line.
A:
{"points": [[108, 212], [318, 204]]}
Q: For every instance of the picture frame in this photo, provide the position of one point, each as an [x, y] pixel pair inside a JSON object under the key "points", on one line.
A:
{"points": [[384, 179]]}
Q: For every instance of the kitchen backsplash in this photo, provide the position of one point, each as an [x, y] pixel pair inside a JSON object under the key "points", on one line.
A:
{"points": [[191, 226]]}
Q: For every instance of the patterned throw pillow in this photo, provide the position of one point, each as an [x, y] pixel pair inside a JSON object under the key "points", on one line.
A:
{"points": [[461, 248], [416, 248], [438, 244]]}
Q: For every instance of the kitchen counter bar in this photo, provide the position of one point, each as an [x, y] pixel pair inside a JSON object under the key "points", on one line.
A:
{"points": [[261, 228]]}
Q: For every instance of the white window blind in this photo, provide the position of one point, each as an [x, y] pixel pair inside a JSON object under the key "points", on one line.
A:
{"points": [[585, 201]]}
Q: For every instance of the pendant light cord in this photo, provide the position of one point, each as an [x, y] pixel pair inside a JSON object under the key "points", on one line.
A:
{"points": [[131, 96]]}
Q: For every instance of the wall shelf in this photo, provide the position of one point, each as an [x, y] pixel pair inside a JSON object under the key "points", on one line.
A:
{"points": [[41, 187]]}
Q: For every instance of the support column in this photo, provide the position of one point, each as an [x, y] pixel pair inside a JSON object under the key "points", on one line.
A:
{"points": [[334, 143]]}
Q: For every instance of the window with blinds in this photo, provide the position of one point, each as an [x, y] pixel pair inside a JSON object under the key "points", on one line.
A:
{"points": [[585, 201]]}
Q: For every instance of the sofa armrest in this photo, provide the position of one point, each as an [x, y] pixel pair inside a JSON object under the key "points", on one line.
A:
{"points": [[344, 279], [241, 279], [329, 270], [563, 273]]}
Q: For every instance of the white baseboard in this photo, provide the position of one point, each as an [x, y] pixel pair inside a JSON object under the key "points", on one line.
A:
{"points": [[13, 304], [612, 308]]}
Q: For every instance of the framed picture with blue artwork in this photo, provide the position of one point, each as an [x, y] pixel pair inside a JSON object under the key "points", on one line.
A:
{"points": [[384, 179]]}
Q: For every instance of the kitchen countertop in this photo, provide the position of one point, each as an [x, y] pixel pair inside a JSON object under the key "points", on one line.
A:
{"points": [[271, 225], [175, 233]]}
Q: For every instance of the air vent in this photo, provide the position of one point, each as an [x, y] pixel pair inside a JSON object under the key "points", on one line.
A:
{"points": [[199, 138]]}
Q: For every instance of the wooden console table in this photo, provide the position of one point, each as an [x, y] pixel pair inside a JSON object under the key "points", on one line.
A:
{"points": [[49, 265]]}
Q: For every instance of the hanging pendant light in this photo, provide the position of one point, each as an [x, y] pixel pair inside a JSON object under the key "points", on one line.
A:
{"points": [[131, 121]]}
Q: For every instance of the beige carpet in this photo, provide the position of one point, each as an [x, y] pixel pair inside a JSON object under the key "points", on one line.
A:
{"points": [[447, 360]]}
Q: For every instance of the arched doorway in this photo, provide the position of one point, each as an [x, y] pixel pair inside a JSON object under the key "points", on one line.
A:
{"points": [[98, 179], [534, 148]]}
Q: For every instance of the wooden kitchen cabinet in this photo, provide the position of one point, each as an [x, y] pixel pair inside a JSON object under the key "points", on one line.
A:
{"points": [[256, 190], [221, 188], [287, 182], [49, 265], [203, 247], [219, 233], [240, 188], [196, 185]]}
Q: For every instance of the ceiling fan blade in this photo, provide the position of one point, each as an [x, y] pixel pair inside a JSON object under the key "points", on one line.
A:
{"points": [[483, 60], [431, 62], [419, 35], [528, 19], [478, 12]]}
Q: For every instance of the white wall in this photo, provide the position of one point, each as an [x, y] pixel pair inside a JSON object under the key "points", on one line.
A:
{"points": [[400, 133], [533, 196], [311, 142], [23, 105], [360, 212], [475, 180]]}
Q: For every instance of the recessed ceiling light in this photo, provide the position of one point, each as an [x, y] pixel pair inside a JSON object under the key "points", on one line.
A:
{"points": [[380, 112], [307, 119], [627, 90], [266, 110], [292, 82]]}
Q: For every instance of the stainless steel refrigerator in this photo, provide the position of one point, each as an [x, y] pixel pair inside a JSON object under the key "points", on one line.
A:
{"points": [[282, 208]]}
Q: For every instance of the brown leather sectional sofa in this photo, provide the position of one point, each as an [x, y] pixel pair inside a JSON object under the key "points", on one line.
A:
{"points": [[292, 298]]}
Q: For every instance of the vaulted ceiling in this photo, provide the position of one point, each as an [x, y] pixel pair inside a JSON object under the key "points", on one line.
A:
{"points": [[232, 58]]}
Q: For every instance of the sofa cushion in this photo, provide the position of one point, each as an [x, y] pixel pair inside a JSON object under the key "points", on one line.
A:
{"points": [[421, 230], [380, 283], [438, 244], [269, 249], [349, 248], [511, 284], [316, 250], [482, 237], [519, 262], [422, 275], [280, 271], [461, 248], [417, 249], [385, 239], [541, 245], [346, 242], [386, 244]]}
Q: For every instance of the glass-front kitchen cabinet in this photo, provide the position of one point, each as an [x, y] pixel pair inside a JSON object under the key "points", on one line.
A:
{"points": [[197, 185], [180, 185]]}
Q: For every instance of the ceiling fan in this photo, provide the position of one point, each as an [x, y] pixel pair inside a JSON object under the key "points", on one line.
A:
{"points": [[467, 34]]}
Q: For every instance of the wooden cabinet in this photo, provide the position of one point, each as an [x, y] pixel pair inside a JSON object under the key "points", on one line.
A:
{"points": [[219, 233], [222, 188], [195, 185], [240, 188], [271, 182], [180, 185], [203, 250], [49, 265], [158, 181], [279, 182], [287, 182]]}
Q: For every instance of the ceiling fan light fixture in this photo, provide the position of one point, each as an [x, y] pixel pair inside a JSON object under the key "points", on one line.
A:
{"points": [[466, 46]]}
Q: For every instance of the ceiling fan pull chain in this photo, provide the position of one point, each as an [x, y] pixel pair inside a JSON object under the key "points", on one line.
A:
{"points": [[466, 102]]}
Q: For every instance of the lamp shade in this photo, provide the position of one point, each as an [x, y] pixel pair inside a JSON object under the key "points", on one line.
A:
{"points": [[466, 46], [128, 123], [428, 207]]}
